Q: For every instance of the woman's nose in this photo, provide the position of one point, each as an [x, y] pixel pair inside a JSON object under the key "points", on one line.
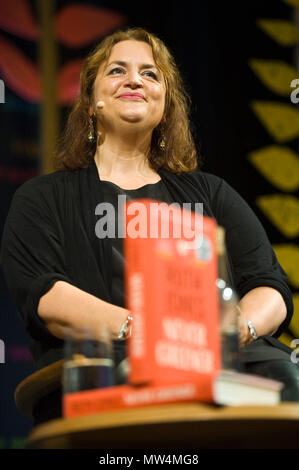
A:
{"points": [[134, 79]]}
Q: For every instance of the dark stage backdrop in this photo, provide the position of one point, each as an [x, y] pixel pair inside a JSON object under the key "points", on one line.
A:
{"points": [[237, 59]]}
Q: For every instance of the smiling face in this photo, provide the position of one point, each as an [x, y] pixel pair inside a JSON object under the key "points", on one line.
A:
{"points": [[131, 86]]}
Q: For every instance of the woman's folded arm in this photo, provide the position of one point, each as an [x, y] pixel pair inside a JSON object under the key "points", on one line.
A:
{"points": [[65, 306]]}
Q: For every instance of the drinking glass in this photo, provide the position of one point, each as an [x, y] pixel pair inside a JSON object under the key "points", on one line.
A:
{"points": [[88, 360], [229, 331]]}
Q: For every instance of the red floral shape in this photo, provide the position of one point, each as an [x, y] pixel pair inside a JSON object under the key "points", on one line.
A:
{"points": [[68, 83], [16, 17], [16, 175], [79, 25], [19, 73]]}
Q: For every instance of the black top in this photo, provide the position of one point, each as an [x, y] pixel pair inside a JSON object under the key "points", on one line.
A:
{"points": [[50, 235], [111, 193]]}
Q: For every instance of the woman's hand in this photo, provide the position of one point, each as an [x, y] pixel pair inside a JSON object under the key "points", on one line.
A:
{"points": [[120, 320], [265, 307], [244, 333], [66, 306]]}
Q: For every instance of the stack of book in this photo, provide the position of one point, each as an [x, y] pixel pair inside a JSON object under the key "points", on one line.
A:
{"points": [[225, 388], [175, 349]]}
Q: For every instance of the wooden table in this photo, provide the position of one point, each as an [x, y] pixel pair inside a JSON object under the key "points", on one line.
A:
{"points": [[183, 425], [36, 386], [179, 426]]}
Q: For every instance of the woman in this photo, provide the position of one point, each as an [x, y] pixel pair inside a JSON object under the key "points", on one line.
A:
{"points": [[129, 133]]}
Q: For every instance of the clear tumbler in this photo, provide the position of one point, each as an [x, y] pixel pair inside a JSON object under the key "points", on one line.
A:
{"points": [[88, 360]]}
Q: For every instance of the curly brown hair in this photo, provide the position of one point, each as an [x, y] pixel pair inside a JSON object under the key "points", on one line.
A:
{"points": [[179, 154]]}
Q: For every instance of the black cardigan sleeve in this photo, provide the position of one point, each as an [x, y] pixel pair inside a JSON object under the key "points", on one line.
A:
{"points": [[32, 253], [252, 260]]}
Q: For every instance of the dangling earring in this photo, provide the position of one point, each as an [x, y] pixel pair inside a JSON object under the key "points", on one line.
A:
{"points": [[91, 135], [162, 143]]}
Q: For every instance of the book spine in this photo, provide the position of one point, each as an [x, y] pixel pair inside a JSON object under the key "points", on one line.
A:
{"points": [[126, 397], [137, 256]]}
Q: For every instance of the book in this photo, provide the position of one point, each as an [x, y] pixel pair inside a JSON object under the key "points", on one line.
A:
{"points": [[222, 388], [237, 388], [127, 396], [171, 292]]}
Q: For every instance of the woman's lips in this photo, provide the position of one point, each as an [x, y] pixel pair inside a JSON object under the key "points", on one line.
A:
{"points": [[132, 97]]}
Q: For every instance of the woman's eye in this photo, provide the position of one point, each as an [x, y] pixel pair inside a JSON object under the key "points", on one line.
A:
{"points": [[151, 74], [116, 69]]}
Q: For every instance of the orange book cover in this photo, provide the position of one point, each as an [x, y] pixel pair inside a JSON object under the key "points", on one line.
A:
{"points": [[170, 281], [126, 396]]}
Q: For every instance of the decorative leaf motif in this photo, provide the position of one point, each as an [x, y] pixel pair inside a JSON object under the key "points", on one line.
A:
{"points": [[275, 74], [16, 18], [283, 211], [78, 25], [282, 31], [68, 83], [279, 165], [294, 325], [286, 339], [16, 175], [281, 120], [20, 74], [288, 257], [293, 3]]}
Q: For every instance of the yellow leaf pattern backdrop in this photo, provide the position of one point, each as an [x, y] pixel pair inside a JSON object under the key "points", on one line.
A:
{"points": [[278, 163]]}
